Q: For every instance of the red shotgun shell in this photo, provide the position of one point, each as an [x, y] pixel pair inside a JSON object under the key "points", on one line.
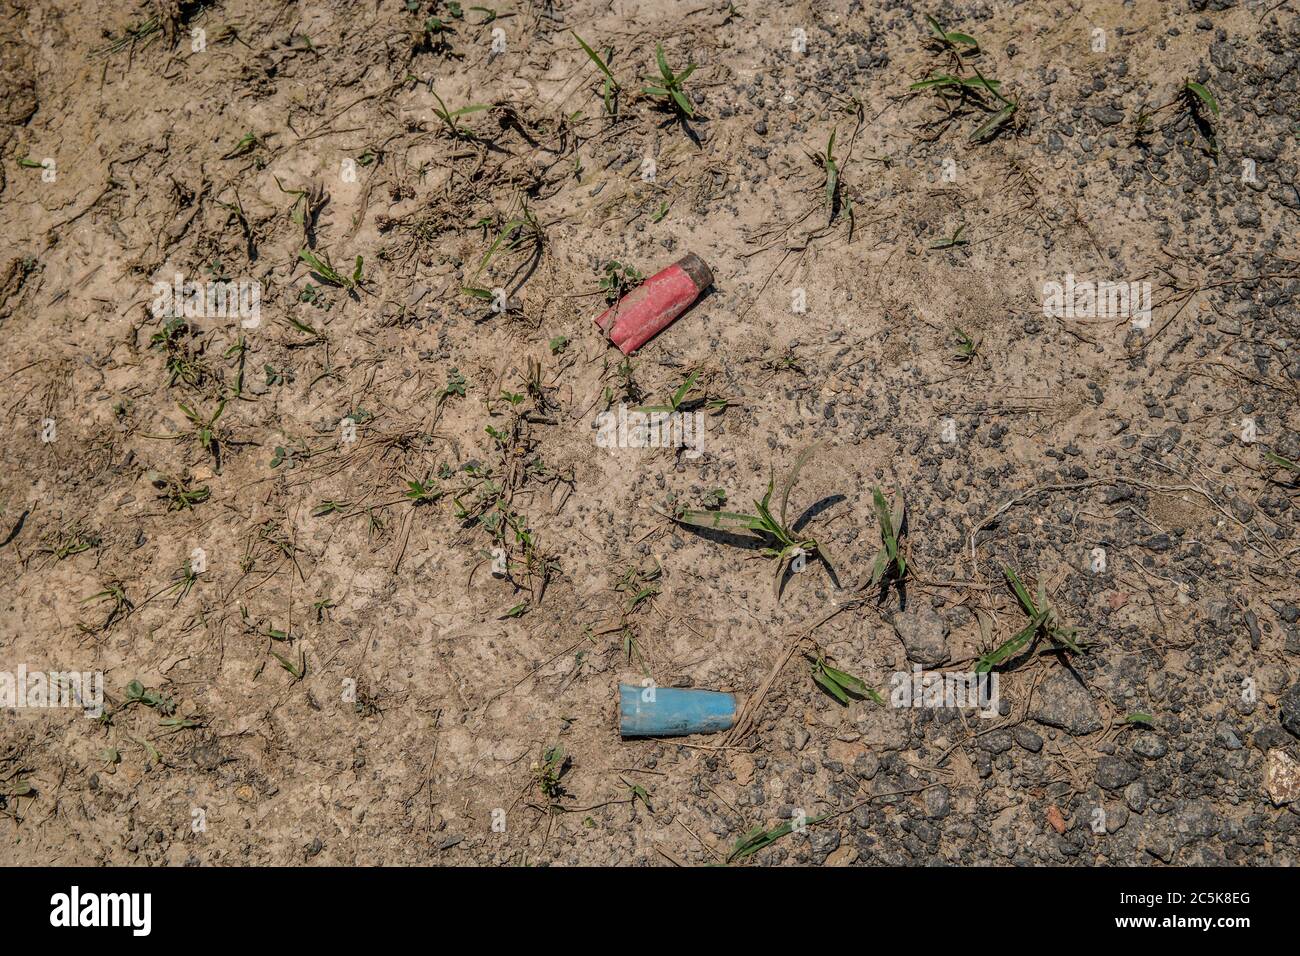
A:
{"points": [[655, 304]]}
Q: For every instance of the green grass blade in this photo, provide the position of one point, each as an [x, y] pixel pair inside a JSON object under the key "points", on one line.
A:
{"points": [[595, 58], [666, 73], [1204, 95], [942, 79], [1022, 593], [850, 683], [682, 390], [831, 687], [793, 477], [993, 124], [1007, 650], [888, 532], [721, 520]]}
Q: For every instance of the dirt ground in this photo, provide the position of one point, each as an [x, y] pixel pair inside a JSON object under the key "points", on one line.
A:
{"points": [[347, 681]]}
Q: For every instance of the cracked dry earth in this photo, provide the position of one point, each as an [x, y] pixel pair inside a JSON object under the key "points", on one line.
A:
{"points": [[346, 681]]}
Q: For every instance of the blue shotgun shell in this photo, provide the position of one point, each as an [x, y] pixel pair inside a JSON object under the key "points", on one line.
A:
{"points": [[673, 711]]}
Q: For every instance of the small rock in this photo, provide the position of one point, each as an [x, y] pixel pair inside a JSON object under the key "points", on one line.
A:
{"points": [[824, 842], [1135, 796], [1289, 709], [1150, 746], [1228, 737], [845, 752], [997, 742], [1281, 778], [844, 856], [923, 633], [1106, 115], [1115, 773], [1063, 702], [1028, 739], [937, 802], [208, 756], [867, 765]]}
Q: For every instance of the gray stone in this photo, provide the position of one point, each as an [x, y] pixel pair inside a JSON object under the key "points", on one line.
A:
{"points": [[1228, 737], [1289, 709], [937, 802], [996, 742], [923, 633], [1106, 115], [208, 756], [1247, 216], [1135, 796], [1028, 739], [867, 765], [1115, 773], [1150, 746], [1063, 702]]}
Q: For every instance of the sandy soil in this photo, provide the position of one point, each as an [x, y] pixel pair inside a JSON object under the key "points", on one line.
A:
{"points": [[346, 681]]}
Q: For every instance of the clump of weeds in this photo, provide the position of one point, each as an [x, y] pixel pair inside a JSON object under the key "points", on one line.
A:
{"points": [[1288, 467], [965, 348], [951, 44], [960, 93], [205, 429], [831, 185], [618, 279], [839, 684], [485, 499], [182, 352], [323, 270], [451, 118], [760, 837], [119, 605], [205, 432], [179, 493], [669, 87], [1044, 622], [638, 586], [953, 241], [306, 207], [780, 539], [69, 541], [677, 401], [889, 563], [548, 775], [521, 234]]}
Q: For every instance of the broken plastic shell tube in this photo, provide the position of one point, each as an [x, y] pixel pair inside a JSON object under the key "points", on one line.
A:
{"points": [[673, 711], [655, 304]]}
